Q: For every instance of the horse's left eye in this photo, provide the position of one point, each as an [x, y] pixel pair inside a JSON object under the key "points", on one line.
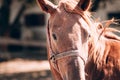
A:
{"points": [[54, 36]]}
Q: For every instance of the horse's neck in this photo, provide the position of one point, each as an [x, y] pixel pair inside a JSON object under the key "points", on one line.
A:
{"points": [[98, 51], [98, 59]]}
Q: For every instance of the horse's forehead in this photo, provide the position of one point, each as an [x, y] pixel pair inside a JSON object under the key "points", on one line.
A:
{"points": [[61, 16]]}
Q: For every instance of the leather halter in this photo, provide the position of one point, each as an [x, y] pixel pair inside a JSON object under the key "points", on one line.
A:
{"points": [[54, 57]]}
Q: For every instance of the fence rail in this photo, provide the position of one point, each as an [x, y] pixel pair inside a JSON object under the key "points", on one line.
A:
{"points": [[7, 41]]}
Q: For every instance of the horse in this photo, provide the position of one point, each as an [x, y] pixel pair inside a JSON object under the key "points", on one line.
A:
{"points": [[80, 47]]}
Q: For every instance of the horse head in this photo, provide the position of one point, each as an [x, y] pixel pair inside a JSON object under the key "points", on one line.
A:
{"points": [[68, 33]]}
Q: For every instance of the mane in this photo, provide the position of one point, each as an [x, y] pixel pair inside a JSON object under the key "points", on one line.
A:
{"points": [[99, 32]]}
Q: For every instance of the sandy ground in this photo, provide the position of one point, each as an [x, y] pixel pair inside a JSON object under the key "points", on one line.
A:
{"points": [[19, 69]]}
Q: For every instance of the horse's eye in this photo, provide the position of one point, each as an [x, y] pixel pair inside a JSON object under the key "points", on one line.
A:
{"points": [[54, 36], [89, 35]]}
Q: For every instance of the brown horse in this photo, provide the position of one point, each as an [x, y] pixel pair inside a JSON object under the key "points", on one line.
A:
{"points": [[80, 48]]}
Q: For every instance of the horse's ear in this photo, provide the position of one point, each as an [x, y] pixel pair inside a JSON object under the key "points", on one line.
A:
{"points": [[47, 6], [84, 4]]}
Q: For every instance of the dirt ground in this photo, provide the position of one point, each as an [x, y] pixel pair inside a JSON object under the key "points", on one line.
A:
{"points": [[19, 69]]}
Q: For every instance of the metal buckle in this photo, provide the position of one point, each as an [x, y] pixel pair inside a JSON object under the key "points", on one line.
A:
{"points": [[52, 58]]}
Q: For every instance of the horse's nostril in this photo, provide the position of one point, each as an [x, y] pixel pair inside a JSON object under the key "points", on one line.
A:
{"points": [[54, 36]]}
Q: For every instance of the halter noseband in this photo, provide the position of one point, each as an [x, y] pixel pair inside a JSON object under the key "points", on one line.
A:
{"points": [[54, 57]]}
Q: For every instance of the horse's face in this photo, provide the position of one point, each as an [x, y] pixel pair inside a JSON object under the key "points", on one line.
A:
{"points": [[68, 32]]}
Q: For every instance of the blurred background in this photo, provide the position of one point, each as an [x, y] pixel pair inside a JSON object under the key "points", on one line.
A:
{"points": [[23, 53]]}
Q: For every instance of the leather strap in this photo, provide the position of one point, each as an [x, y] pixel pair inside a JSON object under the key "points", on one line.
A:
{"points": [[54, 57]]}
